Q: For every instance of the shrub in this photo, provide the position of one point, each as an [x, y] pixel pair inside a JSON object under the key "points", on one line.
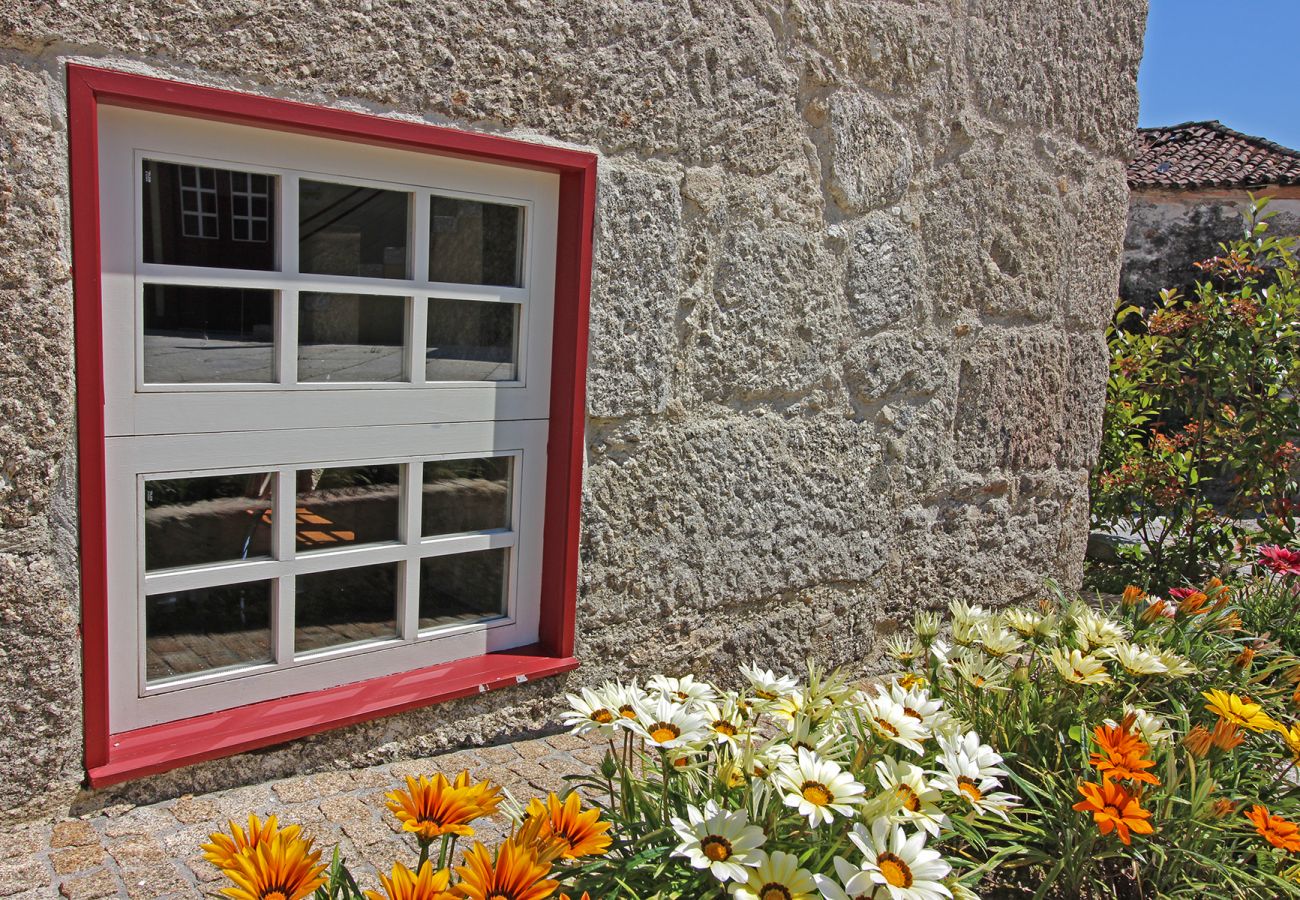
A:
{"points": [[1200, 425]]}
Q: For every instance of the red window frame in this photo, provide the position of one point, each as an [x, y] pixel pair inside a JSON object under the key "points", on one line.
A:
{"points": [[113, 757]]}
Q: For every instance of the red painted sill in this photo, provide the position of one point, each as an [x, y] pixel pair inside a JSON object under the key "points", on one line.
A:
{"points": [[158, 748]]}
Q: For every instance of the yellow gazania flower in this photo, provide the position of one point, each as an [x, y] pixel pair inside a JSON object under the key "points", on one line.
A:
{"points": [[1291, 737], [515, 874], [407, 885], [222, 850], [282, 868], [431, 809], [581, 831], [1232, 709]]}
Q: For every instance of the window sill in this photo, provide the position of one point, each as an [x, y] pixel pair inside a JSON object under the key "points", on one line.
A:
{"points": [[159, 748]]}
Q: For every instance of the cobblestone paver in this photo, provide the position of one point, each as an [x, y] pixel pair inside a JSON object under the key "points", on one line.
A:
{"points": [[152, 852]]}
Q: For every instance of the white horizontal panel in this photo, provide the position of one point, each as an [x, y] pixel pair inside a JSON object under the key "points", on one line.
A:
{"points": [[325, 284]]}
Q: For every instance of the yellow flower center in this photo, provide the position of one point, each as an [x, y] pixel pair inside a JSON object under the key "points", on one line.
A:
{"points": [[683, 696], [716, 848], [896, 872], [275, 895], [980, 681], [908, 711], [722, 726], [774, 891], [1078, 674], [910, 799], [816, 793], [887, 728], [627, 711], [968, 787], [602, 715], [663, 732]]}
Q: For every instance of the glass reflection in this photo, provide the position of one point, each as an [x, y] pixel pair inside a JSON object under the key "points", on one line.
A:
{"points": [[208, 335], [466, 495], [462, 587], [347, 506], [347, 229], [345, 606], [208, 519], [472, 242], [351, 337], [207, 628], [469, 340], [201, 216]]}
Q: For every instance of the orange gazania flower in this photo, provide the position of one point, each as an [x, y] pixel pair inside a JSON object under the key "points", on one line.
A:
{"points": [[431, 809], [1133, 595], [282, 868], [1198, 741], [1121, 755], [582, 832], [515, 874], [1114, 809], [407, 885], [1275, 829], [1226, 736], [222, 850]]}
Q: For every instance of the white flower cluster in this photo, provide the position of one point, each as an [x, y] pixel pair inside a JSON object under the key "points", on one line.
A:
{"points": [[800, 756]]}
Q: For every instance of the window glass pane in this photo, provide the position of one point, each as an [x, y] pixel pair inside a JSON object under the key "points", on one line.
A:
{"points": [[207, 628], [466, 495], [345, 606], [346, 229], [351, 337], [213, 518], [468, 340], [462, 587], [347, 506], [200, 216], [198, 335], [471, 242]]}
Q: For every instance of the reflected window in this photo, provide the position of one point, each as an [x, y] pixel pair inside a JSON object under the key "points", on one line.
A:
{"points": [[184, 208], [351, 337], [200, 630], [208, 335], [207, 519], [348, 229]]}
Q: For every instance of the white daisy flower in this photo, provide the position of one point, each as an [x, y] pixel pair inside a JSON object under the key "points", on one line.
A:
{"points": [[669, 725], [1153, 729], [1023, 621], [997, 641], [777, 877], [1093, 630], [966, 779], [968, 613], [926, 625], [1079, 669], [626, 700], [725, 723], [1178, 666], [916, 702], [589, 713], [890, 721], [766, 684], [901, 648], [722, 842], [965, 632], [909, 797], [1136, 660], [968, 744], [984, 673], [818, 788], [902, 865], [682, 690]]}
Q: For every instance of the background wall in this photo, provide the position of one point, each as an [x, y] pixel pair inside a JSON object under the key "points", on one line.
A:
{"points": [[1168, 230], [853, 265]]}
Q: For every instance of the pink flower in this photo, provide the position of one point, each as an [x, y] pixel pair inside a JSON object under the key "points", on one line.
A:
{"points": [[1280, 560], [1181, 594]]}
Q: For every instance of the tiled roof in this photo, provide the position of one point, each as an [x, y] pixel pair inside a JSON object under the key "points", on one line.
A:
{"points": [[1208, 154]]}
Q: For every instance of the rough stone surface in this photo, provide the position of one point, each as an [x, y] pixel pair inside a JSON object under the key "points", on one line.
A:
{"points": [[852, 266], [1169, 230]]}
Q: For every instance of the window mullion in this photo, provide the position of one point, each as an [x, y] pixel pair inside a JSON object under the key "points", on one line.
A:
{"points": [[285, 518], [408, 608]]}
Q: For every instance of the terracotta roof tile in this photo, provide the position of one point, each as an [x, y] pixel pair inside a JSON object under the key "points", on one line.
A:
{"points": [[1209, 154]]}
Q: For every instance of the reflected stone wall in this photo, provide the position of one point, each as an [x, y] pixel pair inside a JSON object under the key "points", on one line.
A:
{"points": [[853, 264]]}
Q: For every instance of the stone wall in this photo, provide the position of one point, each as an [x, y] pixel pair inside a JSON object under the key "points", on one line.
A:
{"points": [[853, 265], [1169, 230]]}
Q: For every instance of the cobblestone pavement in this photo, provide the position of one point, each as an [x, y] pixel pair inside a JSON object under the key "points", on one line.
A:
{"points": [[152, 852]]}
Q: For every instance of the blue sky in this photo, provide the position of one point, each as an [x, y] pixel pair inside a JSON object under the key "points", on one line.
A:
{"points": [[1237, 61]]}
